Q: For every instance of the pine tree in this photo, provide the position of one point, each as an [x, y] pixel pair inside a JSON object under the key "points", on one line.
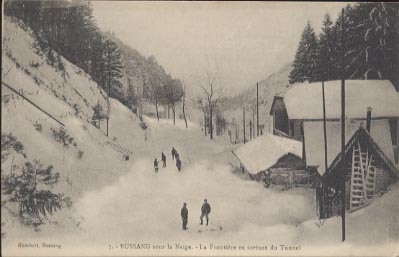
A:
{"points": [[306, 57], [370, 40], [381, 39], [31, 190], [98, 114], [326, 68], [10, 143], [112, 67]]}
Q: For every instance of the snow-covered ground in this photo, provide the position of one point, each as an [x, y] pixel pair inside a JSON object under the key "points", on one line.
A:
{"points": [[117, 201], [144, 207]]}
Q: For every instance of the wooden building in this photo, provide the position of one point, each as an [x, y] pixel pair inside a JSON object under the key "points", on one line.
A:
{"points": [[279, 110], [367, 171], [300, 113], [274, 160], [378, 148]]}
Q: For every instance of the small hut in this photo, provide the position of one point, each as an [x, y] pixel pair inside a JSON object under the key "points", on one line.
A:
{"points": [[368, 172], [274, 159]]}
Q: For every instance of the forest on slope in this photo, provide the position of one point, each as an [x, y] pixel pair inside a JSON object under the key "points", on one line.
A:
{"points": [[68, 29]]}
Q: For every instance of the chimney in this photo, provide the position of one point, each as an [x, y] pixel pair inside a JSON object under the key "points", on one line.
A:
{"points": [[368, 124]]}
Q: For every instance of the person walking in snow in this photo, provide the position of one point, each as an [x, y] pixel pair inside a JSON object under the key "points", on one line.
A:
{"points": [[184, 215], [205, 210], [163, 160], [173, 152], [178, 164], [156, 165]]}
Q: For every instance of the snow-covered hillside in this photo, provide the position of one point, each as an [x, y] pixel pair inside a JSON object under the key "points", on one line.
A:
{"points": [[90, 161], [26, 68]]}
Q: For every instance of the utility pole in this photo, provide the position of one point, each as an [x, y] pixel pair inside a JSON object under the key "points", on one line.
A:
{"points": [[325, 148], [250, 129], [243, 121], [343, 191], [257, 109], [238, 132], [253, 123], [324, 127]]}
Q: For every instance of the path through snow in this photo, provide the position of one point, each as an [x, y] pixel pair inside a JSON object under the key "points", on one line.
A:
{"points": [[143, 204]]}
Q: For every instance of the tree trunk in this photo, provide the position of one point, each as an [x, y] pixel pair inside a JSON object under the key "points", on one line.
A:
{"points": [[184, 114], [174, 114], [210, 124], [243, 121], [205, 123], [107, 125], [156, 109]]}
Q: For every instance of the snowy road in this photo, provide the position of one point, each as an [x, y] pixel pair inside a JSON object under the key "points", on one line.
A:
{"points": [[147, 205]]}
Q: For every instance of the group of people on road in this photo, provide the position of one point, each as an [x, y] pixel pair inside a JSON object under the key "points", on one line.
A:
{"points": [[175, 156], [205, 211]]}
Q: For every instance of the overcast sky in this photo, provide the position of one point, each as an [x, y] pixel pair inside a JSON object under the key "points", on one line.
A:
{"points": [[243, 41]]}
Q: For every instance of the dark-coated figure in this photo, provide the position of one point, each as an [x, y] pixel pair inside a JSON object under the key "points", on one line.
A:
{"points": [[205, 211], [184, 215]]}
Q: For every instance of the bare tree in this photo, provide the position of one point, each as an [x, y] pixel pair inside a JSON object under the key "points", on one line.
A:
{"points": [[156, 96], [176, 94], [211, 97], [184, 103], [204, 108]]}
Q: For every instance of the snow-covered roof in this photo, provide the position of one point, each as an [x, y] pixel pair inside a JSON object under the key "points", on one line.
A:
{"points": [[304, 101], [264, 151], [314, 140]]}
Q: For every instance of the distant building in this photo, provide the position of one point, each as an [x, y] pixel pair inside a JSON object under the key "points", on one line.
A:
{"points": [[299, 115]]}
